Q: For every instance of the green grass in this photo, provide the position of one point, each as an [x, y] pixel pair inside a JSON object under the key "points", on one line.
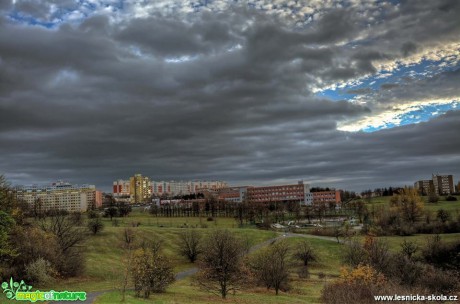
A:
{"points": [[105, 262], [105, 255], [185, 291], [452, 207], [395, 241]]}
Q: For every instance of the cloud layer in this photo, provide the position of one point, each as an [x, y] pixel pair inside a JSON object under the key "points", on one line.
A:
{"points": [[98, 90]]}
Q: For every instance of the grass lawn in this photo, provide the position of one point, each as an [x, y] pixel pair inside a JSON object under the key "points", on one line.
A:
{"points": [[105, 255], [302, 290], [105, 260], [452, 207], [185, 291]]}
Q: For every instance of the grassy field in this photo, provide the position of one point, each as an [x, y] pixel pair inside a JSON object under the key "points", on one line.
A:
{"points": [[452, 207], [104, 253], [105, 259], [302, 290]]}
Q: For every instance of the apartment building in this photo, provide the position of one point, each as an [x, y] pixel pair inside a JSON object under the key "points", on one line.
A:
{"points": [[121, 190], [443, 184], [140, 189], [60, 195], [424, 186], [185, 187], [332, 196]]}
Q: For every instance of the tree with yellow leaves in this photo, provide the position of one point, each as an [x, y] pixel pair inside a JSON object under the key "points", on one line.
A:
{"points": [[408, 204]]}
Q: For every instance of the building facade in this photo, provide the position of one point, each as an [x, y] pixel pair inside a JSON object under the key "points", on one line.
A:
{"points": [[60, 195], [160, 188], [443, 184], [140, 189], [424, 186], [298, 193], [326, 197]]}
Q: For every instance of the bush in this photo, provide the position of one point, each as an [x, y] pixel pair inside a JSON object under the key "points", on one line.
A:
{"points": [[403, 270], [442, 255], [438, 281], [338, 293], [450, 198], [71, 263], [151, 272], [95, 225], [39, 271], [353, 253], [29, 251], [77, 218]]}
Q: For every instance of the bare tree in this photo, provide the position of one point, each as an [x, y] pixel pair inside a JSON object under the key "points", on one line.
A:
{"points": [[128, 238], [189, 245], [221, 265], [62, 226], [271, 266], [69, 237], [305, 253]]}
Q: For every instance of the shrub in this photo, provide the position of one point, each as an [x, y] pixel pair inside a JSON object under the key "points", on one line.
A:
{"points": [[29, 251], [338, 293], [77, 218], [151, 272], [403, 270], [438, 281], [71, 263], [95, 225], [353, 253], [451, 198], [442, 255], [443, 215], [39, 271]]}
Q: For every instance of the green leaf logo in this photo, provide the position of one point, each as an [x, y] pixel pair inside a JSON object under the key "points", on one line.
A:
{"points": [[13, 287]]}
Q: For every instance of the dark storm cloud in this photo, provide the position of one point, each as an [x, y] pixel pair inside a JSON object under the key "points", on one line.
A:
{"points": [[219, 95]]}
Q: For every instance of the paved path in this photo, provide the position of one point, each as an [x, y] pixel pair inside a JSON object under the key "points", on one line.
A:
{"points": [[91, 296]]}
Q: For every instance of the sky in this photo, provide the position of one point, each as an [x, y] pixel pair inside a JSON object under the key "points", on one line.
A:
{"points": [[349, 94]]}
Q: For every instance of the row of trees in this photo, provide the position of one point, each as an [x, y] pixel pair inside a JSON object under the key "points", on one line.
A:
{"points": [[246, 213]]}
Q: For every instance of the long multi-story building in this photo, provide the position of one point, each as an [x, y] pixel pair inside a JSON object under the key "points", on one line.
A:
{"points": [[60, 195], [160, 188], [298, 193], [443, 184], [281, 193]]}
